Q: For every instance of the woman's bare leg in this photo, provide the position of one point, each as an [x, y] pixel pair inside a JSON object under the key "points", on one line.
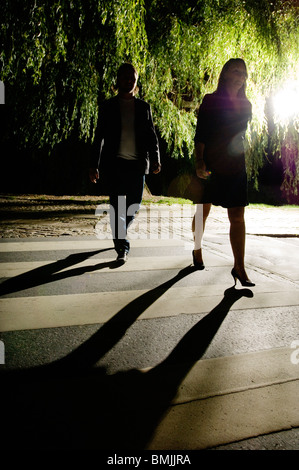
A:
{"points": [[198, 226], [237, 239]]}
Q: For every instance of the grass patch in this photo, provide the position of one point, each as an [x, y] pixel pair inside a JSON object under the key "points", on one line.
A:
{"points": [[169, 201]]}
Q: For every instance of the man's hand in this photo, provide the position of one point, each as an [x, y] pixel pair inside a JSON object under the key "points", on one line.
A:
{"points": [[156, 168], [93, 174]]}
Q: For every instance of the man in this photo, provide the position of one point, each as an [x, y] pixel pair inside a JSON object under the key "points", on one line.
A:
{"points": [[125, 149]]}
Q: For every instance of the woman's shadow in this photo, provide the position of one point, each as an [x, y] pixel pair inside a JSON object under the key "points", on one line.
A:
{"points": [[72, 404]]}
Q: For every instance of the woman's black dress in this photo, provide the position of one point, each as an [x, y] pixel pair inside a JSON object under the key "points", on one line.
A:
{"points": [[222, 129]]}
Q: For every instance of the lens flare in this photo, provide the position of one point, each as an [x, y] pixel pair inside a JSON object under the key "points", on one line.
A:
{"points": [[286, 102]]}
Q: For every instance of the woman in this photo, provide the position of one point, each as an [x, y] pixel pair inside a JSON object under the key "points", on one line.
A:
{"points": [[220, 162]]}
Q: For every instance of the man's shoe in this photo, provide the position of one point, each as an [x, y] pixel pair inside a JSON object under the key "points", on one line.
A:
{"points": [[122, 257]]}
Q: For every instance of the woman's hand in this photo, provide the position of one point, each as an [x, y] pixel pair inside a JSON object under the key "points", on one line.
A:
{"points": [[201, 171]]}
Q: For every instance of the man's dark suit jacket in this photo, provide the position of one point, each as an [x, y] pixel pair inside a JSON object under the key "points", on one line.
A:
{"points": [[108, 133]]}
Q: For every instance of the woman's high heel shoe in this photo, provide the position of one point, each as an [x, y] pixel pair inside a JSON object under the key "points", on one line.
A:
{"points": [[244, 282], [197, 264]]}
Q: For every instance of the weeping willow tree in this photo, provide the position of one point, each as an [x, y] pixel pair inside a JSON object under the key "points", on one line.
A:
{"points": [[59, 59], [186, 56]]}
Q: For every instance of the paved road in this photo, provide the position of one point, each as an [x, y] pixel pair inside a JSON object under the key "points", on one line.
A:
{"points": [[151, 354]]}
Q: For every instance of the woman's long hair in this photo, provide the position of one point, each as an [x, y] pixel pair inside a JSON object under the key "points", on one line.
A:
{"points": [[221, 88]]}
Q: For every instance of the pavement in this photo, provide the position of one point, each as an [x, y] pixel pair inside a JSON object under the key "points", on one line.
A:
{"points": [[240, 394]]}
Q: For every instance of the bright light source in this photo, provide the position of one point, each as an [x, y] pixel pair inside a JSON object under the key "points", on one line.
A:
{"points": [[286, 101]]}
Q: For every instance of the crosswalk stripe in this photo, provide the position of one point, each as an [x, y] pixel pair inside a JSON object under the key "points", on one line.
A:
{"points": [[6, 247], [50, 311], [218, 399], [227, 399], [227, 418], [23, 313], [236, 374], [107, 264]]}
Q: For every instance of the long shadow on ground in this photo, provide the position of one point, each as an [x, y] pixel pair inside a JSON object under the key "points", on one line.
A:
{"points": [[51, 272], [72, 404]]}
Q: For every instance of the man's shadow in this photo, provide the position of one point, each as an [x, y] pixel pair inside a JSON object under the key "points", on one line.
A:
{"points": [[72, 404], [51, 272]]}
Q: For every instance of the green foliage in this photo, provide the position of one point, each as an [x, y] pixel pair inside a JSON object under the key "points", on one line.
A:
{"points": [[59, 59]]}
